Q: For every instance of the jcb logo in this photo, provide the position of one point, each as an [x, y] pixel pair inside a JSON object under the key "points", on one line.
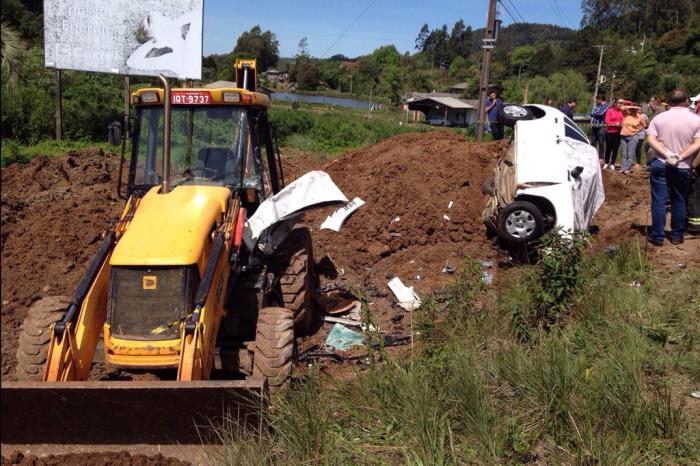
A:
{"points": [[149, 282]]}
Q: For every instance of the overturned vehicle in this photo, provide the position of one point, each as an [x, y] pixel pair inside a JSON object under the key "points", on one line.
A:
{"points": [[548, 178]]}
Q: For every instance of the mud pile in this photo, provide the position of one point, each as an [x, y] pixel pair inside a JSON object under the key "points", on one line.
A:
{"points": [[423, 211], [122, 458], [52, 213]]}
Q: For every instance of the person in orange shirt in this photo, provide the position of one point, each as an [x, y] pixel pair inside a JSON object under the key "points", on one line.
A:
{"points": [[631, 133]]}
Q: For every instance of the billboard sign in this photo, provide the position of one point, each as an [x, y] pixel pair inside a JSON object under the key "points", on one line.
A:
{"points": [[139, 38]]}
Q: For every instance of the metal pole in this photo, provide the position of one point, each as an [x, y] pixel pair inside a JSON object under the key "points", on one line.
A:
{"points": [[612, 87], [597, 77], [165, 188], [369, 111], [127, 106], [488, 44], [58, 112]]}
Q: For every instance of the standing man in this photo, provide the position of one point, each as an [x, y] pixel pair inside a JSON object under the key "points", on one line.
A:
{"points": [[568, 108], [493, 103], [598, 125], [674, 137]]}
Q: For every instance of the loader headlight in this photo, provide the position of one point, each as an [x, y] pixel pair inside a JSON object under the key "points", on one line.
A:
{"points": [[149, 97], [231, 97]]}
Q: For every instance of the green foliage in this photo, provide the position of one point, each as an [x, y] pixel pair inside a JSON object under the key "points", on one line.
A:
{"points": [[332, 131], [260, 45]]}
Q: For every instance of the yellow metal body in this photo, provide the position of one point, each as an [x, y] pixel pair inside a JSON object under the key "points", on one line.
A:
{"points": [[172, 229]]}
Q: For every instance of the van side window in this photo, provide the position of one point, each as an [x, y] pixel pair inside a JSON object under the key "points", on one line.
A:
{"points": [[572, 131]]}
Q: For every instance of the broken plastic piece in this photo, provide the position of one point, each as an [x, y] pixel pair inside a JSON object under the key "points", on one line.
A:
{"points": [[446, 217], [487, 278], [342, 338], [407, 298], [335, 220], [449, 206], [396, 219]]}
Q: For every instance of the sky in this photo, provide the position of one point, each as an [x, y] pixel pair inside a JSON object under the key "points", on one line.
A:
{"points": [[357, 27]]}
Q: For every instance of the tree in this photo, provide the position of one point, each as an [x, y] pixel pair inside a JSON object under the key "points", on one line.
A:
{"points": [[386, 55], [303, 47], [262, 46], [422, 37], [11, 49]]}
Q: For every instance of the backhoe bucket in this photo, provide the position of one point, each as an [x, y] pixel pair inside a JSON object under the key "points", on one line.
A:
{"points": [[126, 412]]}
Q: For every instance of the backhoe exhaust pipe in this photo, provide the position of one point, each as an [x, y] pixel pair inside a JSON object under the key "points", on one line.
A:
{"points": [[165, 188]]}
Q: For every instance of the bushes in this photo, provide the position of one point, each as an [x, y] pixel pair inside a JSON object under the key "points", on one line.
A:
{"points": [[330, 131]]}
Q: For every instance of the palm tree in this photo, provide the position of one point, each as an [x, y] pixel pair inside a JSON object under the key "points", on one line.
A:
{"points": [[11, 48]]}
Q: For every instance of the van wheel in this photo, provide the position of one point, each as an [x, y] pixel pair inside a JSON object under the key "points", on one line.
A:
{"points": [[520, 222], [510, 114], [34, 336]]}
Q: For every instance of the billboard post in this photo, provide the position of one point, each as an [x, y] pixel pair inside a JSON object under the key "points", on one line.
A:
{"points": [[58, 111]]}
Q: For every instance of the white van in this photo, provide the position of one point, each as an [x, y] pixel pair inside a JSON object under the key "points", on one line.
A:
{"points": [[549, 177]]}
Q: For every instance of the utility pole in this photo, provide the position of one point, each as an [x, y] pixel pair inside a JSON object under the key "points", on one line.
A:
{"points": [[612, 87], [597, 76], [487, 45], [58, 112]]}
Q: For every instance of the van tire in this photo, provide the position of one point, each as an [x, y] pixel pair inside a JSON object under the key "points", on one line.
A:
{"points": [[520, 222], [510, 114]]}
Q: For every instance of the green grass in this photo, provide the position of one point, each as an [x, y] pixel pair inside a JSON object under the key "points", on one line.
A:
{"points": [[603, 382], [13, 152]]}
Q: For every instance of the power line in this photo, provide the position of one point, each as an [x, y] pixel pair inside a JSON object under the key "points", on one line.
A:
{"points": [[563, 13], [515, 8], [558, 15], [348, 28], [508, 11]]}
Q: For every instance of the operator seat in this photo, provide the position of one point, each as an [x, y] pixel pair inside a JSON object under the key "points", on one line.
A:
{"points": [[214, 159]]}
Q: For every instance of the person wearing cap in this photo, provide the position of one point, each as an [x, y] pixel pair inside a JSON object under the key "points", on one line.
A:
{"points": [[613, 123], [568, 108], [598, 125], [674, 137], [632, 127]]}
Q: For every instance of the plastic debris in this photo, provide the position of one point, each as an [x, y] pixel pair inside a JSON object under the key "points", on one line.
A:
{"points": [[340, 337], [448, 269], [695, 394], [335, 220], [407, 298], [487, 278], [449, 206], [396, 219], [635, 284], [446, 217], [486, 264], [349, 322], [680, 265]]}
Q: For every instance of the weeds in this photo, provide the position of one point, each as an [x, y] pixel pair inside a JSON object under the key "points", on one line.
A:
{"points": [[596, 388]]}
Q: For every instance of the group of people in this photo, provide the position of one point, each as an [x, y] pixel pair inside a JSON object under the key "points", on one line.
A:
{"points": [[672, 135]]}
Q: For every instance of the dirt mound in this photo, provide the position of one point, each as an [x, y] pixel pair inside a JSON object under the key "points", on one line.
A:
{"points": [[52, 213], [423, 211], [122, 458]]}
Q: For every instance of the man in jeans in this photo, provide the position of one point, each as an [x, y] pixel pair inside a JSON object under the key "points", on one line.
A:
{"points": [[674, 137], [598, 125]]}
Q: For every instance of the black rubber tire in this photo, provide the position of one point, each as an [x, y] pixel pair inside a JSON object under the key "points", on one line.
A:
{"points": [[34, 336], [296, 277], [527, 211], [274, 347], [488, 186], [508, 114]]}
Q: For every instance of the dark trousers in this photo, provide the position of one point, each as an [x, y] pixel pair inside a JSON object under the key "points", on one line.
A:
{"points": [[496, 130], [598, 140], [694, 202], [612, 144], [665, 179]]}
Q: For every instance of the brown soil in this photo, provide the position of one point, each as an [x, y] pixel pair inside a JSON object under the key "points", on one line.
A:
{"points": [[122, 458], [53, 212]]}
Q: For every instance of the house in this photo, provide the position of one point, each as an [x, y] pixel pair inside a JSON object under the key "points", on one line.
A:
{"points": [[277, 76], [459, 88], [442, 109]]}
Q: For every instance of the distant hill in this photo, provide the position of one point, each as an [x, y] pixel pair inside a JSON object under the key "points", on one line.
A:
{"points": [[515, 35]]}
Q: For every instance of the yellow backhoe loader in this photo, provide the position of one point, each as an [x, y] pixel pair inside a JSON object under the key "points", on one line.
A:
{"points": [[193, 319]]}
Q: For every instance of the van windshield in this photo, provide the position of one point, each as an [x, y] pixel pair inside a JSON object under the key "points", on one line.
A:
{"points": [[208, 145]]}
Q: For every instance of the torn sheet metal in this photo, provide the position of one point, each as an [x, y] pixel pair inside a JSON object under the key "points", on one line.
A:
{"points": [[335, 220], [407, 298], [313, 190]]}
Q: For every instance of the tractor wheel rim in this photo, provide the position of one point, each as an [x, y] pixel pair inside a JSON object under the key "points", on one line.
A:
{"points": [[520, 223], [514, 111]]}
